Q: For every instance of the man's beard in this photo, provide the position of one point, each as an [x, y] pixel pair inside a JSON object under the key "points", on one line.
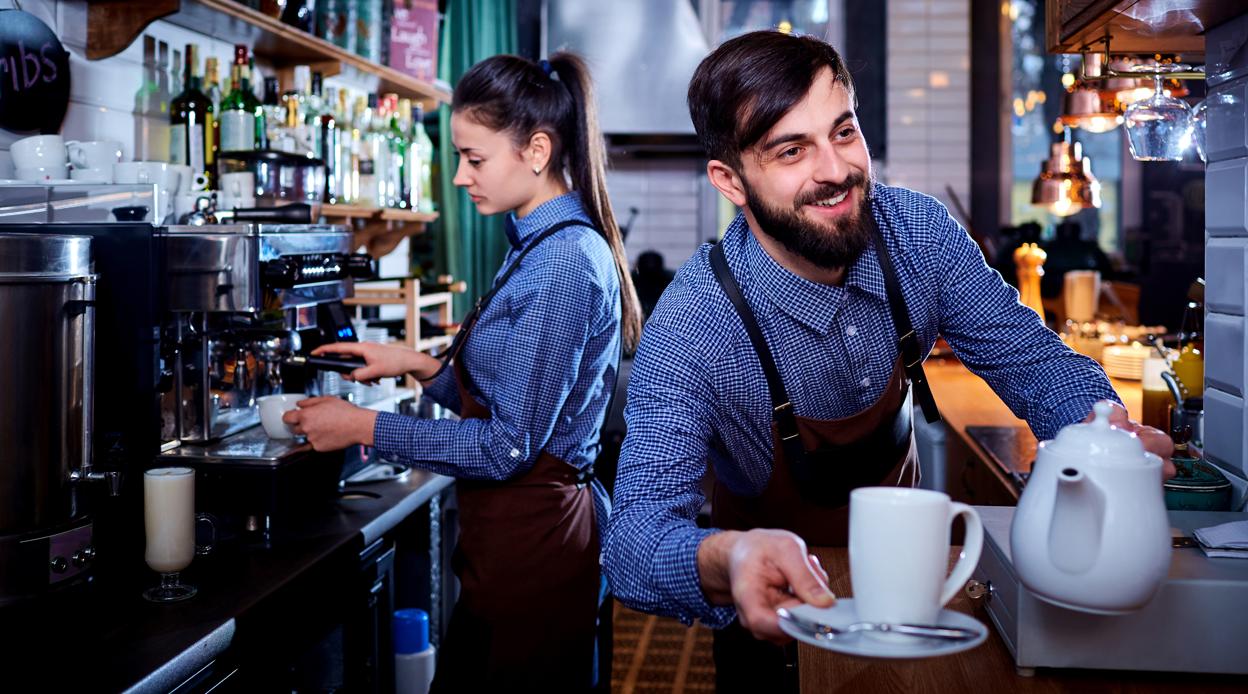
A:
{"points": [[833, 245]]}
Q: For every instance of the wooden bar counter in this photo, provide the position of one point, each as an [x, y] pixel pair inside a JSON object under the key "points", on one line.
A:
{"points": [[975, 473], [985, 668]]}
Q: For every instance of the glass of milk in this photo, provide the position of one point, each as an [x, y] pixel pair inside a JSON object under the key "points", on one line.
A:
{"points": [[169, 519]]}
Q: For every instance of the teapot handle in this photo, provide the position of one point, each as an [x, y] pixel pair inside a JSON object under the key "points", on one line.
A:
{"points": [[971, 548]]}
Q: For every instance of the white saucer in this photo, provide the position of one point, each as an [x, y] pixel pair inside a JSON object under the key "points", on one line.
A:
{"points": [[866, 646]]}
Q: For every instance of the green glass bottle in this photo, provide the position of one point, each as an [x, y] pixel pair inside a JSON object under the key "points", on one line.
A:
{"points": [[190, 119]]}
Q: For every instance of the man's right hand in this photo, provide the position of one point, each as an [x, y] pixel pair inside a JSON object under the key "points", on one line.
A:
{"points": [[759, 571], [382, 361]]}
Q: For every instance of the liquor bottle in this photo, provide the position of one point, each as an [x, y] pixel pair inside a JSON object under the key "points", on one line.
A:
{"points": [[159, 136], [377, 144], [274, 111], [212, 88], [399, 144], [348, 163], [189, 117], [410, 181], [242, 121], [424, 157], [330, 144], [312, 112], [367, 191], [288, 137]]}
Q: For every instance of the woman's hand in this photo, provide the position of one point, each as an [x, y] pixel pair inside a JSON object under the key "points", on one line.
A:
{"points": [[331, 424], [382, 361]]}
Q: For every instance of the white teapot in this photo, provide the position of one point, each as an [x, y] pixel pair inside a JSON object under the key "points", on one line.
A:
{"points": [[1091, 531]]}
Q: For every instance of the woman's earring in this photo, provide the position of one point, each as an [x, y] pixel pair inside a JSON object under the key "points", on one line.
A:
{"points": [[537, 170]]}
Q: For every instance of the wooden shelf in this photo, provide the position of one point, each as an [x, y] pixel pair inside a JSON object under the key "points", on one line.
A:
{"points": [[410, 216], [114, 24], [436, 299], [379, 230]]}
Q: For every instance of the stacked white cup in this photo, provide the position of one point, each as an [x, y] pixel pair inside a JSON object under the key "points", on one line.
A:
{"points": [[41, 159]]}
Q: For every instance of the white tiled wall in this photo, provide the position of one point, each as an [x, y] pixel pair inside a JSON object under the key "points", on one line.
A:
{"points": [[929, 95], [1226, 247], [666, 193]]}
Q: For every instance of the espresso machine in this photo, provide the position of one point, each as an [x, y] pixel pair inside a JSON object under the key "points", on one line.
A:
{"points": [[194, 323], [245, 305]]}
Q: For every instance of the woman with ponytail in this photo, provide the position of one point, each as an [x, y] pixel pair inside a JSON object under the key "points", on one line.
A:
{"points": [[531, 372]]}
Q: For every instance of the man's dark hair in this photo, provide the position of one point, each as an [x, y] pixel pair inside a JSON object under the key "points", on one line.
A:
{"points": [[746, 85]]}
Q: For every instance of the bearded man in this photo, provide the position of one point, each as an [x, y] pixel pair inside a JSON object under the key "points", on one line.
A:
{"points": [[785, 357]]}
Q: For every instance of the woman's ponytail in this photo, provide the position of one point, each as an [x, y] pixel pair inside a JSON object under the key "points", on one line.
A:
{"points": [[586, 154]]}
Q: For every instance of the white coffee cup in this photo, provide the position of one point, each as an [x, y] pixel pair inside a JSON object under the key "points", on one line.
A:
{"points": [[92, 175], [272, 407], [899, 553], [39, 151], [43, 174], [95, 154]]}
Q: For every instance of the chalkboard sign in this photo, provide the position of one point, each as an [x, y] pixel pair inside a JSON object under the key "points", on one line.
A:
{"points": [[34, 75]]}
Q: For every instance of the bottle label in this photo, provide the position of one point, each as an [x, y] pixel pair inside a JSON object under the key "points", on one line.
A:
{"points": [[238, 131], [177, 144], [195, 147]]}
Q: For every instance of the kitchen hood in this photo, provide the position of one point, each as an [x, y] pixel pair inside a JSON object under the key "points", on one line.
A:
{"points": [[642, 54]]}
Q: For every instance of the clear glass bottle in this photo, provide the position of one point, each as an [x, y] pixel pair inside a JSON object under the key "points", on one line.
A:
{"points": [[424, 157], [367, 191]]}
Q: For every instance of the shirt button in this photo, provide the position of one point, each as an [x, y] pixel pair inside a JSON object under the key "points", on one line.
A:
{"points": [[865, 383], [851, 330], [515, 452]]}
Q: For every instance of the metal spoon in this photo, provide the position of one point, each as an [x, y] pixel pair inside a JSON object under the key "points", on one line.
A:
{"points": [[821, 631]]}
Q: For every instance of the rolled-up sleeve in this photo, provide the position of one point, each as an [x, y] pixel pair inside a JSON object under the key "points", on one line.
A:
{"points": [[1006, 343], [651, 546]]}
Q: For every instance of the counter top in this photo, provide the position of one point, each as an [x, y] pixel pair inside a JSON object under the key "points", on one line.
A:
{"points": [[985, 426], [117, 641], [985, 668]]}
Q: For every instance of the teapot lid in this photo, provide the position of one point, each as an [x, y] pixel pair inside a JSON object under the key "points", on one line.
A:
{"points": [[1099, 441]]}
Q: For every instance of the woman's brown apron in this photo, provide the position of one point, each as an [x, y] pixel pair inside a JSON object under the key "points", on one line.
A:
{"points": [[815, 465], [527, 562]]}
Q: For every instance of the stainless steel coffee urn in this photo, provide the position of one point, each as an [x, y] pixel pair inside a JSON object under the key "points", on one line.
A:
{"points": [[47, 292]]}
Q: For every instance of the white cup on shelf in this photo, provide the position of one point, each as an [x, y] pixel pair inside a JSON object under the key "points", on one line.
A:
{"points": [[40, 151], [93, 154], [43, 174]]}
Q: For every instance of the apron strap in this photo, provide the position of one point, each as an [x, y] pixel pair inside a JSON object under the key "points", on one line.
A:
{"points": [[907, 340], [457, 345], [781, 406]]}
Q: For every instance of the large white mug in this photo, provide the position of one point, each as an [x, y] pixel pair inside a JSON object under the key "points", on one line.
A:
{"points": [[95, 154], [272, 407], [899, 553], [39, 151]]}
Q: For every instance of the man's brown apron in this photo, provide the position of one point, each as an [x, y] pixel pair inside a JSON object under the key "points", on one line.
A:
{"points": [[527, 562], [815, 465]]}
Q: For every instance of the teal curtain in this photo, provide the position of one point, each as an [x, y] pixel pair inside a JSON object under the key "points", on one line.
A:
{"points": [[471, 247]]}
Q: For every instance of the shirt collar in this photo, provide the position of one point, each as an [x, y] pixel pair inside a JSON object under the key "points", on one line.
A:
{"points": [[520, 229]]}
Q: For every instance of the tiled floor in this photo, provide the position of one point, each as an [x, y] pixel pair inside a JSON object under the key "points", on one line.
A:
{"points": [[657, 654]]}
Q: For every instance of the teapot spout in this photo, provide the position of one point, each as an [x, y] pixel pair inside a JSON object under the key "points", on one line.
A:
{"points": [[1078, 521]]}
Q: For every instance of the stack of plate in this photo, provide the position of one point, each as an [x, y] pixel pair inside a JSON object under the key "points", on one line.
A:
{"points": [[1125, 362]]}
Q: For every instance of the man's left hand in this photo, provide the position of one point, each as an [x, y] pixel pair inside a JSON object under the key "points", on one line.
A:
{"points": [[332, 423], [1154, 440]]}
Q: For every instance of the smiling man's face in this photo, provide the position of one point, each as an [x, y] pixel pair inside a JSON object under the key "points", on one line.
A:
{"points": [[808, 180]]}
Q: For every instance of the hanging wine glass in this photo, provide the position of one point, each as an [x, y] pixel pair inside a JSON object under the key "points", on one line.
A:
{"points": [[1160, 127]]}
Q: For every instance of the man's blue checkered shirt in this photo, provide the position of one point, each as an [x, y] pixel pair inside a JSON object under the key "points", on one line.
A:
{"points": [[542, 357], [697, 392]]}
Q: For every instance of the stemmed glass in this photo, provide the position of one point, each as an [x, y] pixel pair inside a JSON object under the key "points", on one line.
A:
{"points": [[169, 521], [1160, 127]]}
